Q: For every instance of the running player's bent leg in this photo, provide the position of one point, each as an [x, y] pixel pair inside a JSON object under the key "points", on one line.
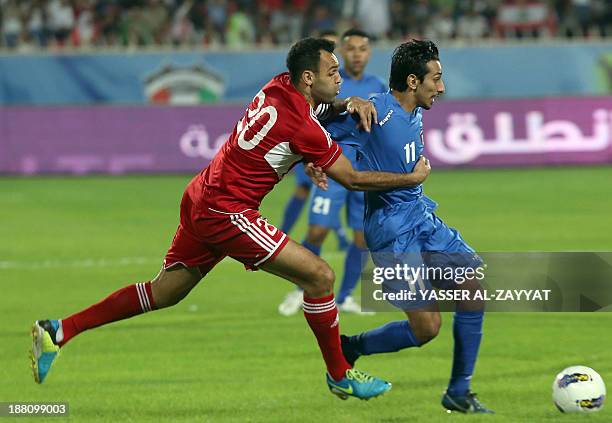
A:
{"points": [[316, 278], [167, 289], [173, 284], [293, 301], [300, 266], [421, 327]]}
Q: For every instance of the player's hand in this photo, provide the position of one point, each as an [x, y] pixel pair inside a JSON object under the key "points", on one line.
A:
{"points": [[366, 111], [422, 168], [316, 174]]}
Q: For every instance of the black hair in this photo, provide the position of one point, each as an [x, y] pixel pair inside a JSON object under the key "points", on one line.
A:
{"points": [[409, 58], [354, 32], [328, 33], [306, 55]]}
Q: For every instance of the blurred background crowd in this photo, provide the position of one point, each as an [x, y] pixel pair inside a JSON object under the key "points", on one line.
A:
{"points": [[33, 24]]}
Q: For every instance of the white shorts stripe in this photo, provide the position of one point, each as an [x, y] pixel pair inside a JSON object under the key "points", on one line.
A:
{"points": [[252, 228], [244, 226], [265, 235], [240, 226], [273, 251]]}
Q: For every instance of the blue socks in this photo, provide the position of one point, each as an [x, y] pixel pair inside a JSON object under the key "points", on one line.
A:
{"points": [[292, 212], [395, 336], [391, 337], [353, 265], [467, 333]]}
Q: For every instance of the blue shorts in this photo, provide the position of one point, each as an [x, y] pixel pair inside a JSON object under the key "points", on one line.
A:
{"points": [[324, 206], [412, 234], [301, 179]]}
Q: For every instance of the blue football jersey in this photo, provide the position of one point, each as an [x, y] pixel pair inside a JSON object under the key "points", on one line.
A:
{"points": [[343, 128], [394, 145], [365, 87]]}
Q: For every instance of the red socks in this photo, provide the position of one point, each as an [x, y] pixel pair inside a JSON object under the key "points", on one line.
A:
{"points": [[126, 302], [322, 317]]}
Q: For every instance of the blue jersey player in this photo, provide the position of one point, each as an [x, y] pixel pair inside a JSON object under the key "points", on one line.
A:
{"points": [[401, 224], [325, 205]]}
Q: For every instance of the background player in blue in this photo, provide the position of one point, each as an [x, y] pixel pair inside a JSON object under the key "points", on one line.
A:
{"points": [[402, 221], [294, 206], [325, 206]]}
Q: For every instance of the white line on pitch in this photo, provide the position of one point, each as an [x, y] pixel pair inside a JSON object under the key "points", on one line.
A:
{"points": [[103, 262]]}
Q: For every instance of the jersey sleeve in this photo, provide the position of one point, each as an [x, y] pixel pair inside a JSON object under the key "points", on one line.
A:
{"points": [[315, 145]]}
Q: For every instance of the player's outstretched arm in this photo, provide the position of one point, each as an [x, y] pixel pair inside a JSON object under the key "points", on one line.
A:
{"points": [[342, 172]]}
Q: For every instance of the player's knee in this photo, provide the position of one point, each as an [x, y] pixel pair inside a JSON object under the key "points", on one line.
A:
{"points": [[169, 296], [323, 279], [170, 287], [426, 330], [326, 276]]}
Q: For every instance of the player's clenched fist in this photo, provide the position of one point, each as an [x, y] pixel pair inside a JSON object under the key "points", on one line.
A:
{"points": [[422, 168]]}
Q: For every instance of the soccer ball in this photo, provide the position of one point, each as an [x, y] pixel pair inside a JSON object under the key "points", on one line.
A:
{"points": [[579, 389]]}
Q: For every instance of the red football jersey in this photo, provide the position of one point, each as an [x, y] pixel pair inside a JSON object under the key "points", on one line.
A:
{"points": [[278, 130]]}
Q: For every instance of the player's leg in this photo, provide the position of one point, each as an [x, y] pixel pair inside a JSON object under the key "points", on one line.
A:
{"points": [[298, 199], [423, 316], [421, 327], [187, 261], [343, 240], [166, 289], [450, 250], [467, 335], [292, 303], [48, 336], [323, 215], [260, 245], [300, 266], [356, 255], [354, 262]]}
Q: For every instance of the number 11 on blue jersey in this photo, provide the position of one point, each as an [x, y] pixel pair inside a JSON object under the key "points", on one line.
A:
{"points": [[410, 152]]}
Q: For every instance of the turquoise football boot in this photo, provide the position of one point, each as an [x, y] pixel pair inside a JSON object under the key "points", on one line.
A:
{"points": [[357, 384], [44, 350]]}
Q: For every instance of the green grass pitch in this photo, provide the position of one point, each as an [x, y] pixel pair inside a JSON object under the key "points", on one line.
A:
{"points": [[224, 354]]}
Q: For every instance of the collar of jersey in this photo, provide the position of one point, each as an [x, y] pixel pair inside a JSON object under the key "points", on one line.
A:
{"points": [[399, 109]]}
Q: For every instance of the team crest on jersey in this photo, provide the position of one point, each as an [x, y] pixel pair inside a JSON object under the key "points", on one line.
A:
{"points": [[185, 85]]}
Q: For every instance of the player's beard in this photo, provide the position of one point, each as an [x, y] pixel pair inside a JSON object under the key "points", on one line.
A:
{"points": [[325, 95]]}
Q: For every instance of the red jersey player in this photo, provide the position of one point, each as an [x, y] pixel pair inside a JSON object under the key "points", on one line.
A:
{"points": [[219, 216]]}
